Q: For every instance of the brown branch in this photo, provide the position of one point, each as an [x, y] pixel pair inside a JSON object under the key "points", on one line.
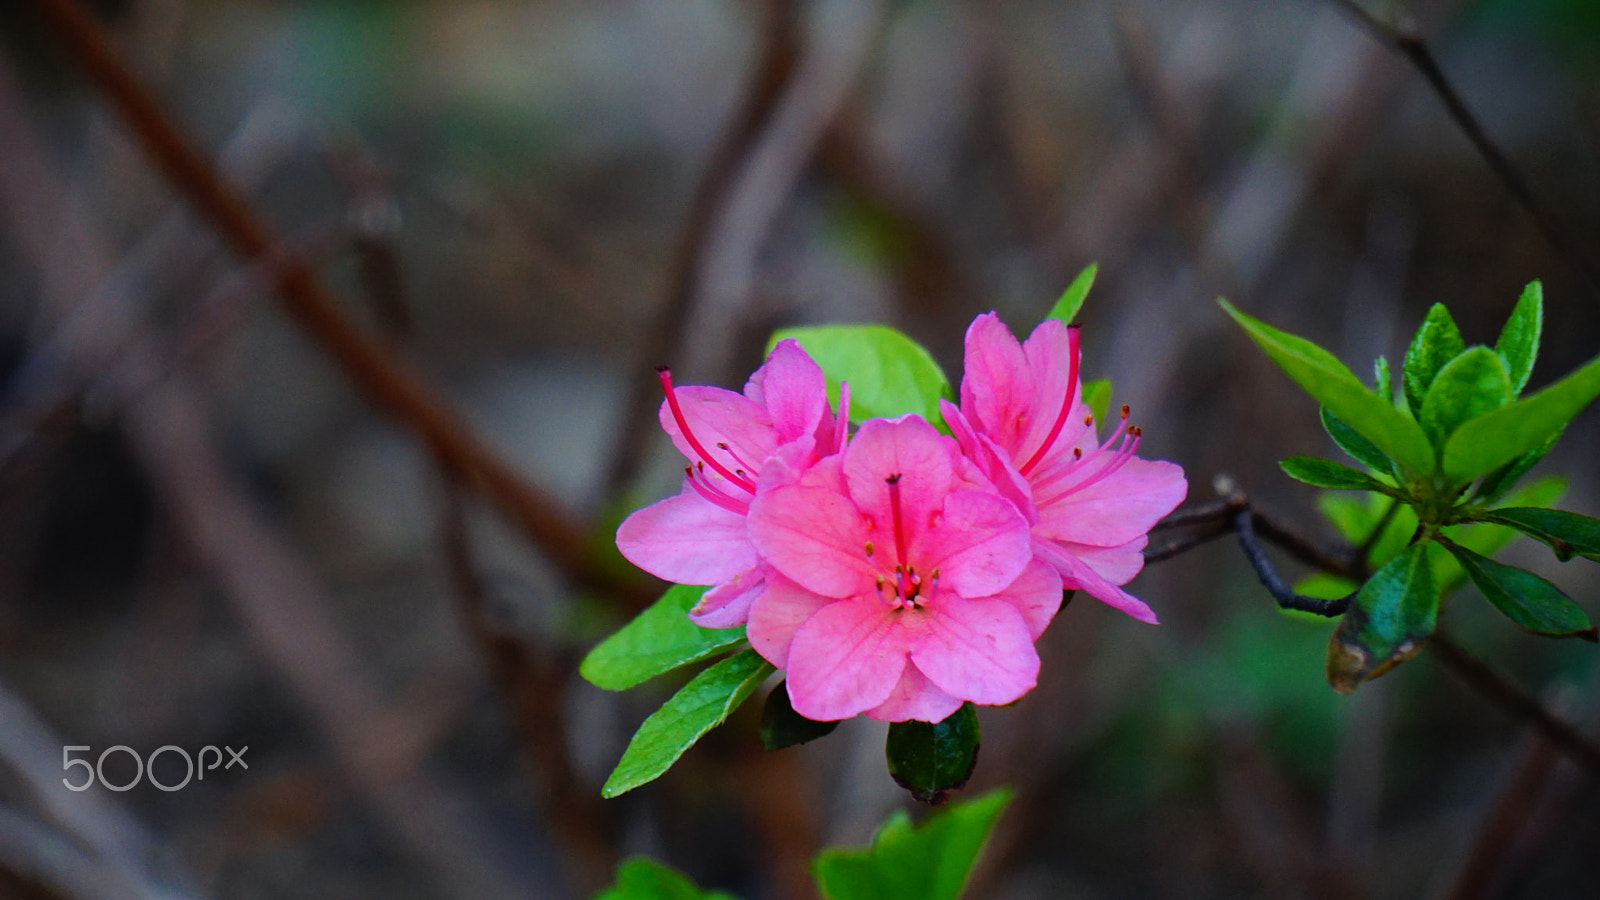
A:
{"points": [[780, 48], [1407, 41], [382, 376]]}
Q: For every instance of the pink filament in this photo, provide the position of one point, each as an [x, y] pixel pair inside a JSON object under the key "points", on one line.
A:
{"points": [[1125, 452], [899, 533], [683, 426], [1066, 402], [709, 491]]}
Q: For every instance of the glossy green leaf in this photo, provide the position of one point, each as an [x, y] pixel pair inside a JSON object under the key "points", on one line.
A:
{"points": [[930, 861], [782, 727], [1496, 438], [1519, 339], [1332, 384], [1567, 533], [1390, 619], [1326, 473], [645, 879], [703, 704], [1351, 442], [1524, 598], [1468, 386], [1066, 309], [1505, 477], [930, 759], [1436, 343], [889, 373], [1097, 394], [658, 640]]}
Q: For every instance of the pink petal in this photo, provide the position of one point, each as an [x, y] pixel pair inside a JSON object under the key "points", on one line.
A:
{"points": [[719, 416], [1036, 594], [996, 387], [777, 614], [908, 447], [1077, 574], [792, 388], [815, 536], [846, 659], [979, 544], [1049, 353], [1117, 564], [1116, 509], [915, 697], [728, 604], [687, 539], [978, 650]]}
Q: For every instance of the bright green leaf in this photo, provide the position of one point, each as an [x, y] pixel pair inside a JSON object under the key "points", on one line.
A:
{"points": [[1351, 442], [889, 373], [1502, 479], [703, 704], [1524, 598], [1567, 533], [931, 861], [1519, 339], [645, 879], [1390, 619], [1066, 309], [658, 640], [1468, 386], [1496, 438], [1097, 394], [782, 727], [1436, 343], [1326, 473], [930, 759], [1333, 385]]}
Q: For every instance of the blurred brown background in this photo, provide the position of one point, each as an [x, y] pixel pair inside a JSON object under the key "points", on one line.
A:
{"points": [[208, 536]]}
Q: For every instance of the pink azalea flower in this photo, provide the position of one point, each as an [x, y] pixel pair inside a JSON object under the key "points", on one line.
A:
{"points": [[903, 583], [770, 434], [1023, 421]]}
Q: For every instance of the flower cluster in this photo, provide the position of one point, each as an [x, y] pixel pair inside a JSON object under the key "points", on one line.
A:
{"points": [[898, 571]]}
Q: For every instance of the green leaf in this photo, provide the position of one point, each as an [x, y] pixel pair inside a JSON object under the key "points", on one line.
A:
{"points": [[931, 861], [1524, 598], [645, 879], [931, 759], [1436, 343], [1496, 438], [1519, 339], [1502, 479], [1066, 309], [1391, 618], [703, 704], [658, 640], [1326, 473], [1567, 533], [1351, 442], [1382, 379], [782, 727], [1333, 385], [1097, 394], [889, 373], [1468, 386]]}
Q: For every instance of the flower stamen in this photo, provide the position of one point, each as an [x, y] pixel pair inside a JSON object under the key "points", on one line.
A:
{"points": [[1066, 402], [683, 426]]}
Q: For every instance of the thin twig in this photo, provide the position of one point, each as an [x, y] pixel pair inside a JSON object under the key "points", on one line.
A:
{"points": [[1274, 582], [1408, 42], [382, 376]]}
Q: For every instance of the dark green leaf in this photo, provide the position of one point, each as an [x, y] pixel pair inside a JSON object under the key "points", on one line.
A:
{"points": [[931, 861], [1097, 394], [1326, 473], [658, 640], [645, 879], [703, 704], [889, 373], [1504, 478], [782, 727], [1468, 386], [1524, 598], [1567, 533], [1519, 339], [931, 759], [1494, 439], [1391, 618], [1066, 309], [1436, 343], [1333, 385], [1351, 442]]}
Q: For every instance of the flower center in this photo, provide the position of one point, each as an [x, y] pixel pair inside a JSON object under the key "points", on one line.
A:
{"points": [[907, 589]]}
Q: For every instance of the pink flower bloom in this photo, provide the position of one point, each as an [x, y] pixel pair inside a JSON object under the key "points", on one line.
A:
{"points": [[771, 433], [903, 584], [1024, 423]]}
